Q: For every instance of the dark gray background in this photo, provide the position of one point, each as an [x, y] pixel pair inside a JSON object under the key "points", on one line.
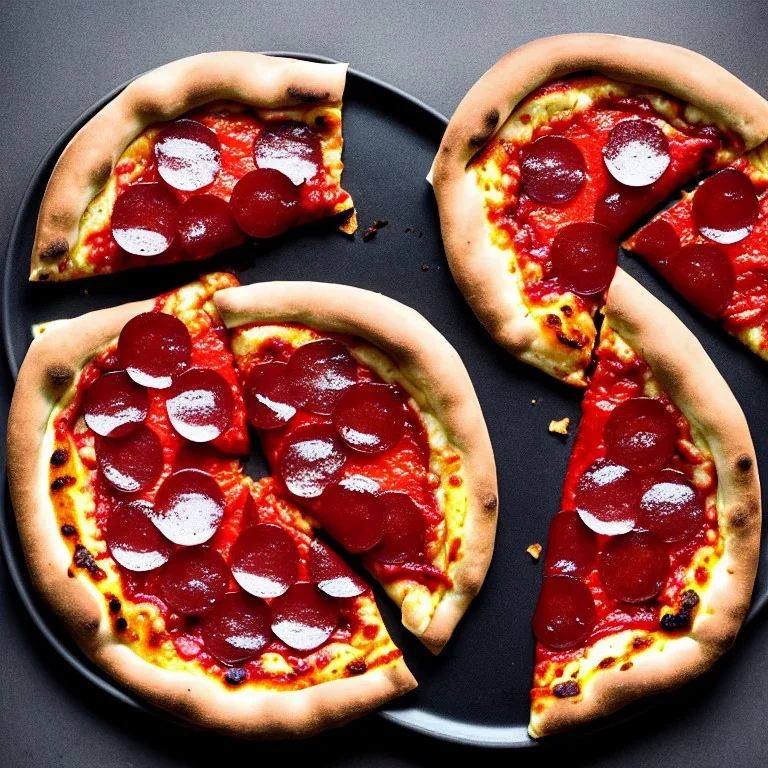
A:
{"points": [[56, 59]]}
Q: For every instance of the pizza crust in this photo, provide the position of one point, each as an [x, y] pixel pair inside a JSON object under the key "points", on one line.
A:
{"points": [[436, 370], [690, 378], [85, 165]]}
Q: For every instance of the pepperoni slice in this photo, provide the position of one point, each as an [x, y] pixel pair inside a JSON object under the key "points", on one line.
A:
{"points": [[657, 243], [621, 206], [725, 207], [352, 513], [133, 541], [194, 580], [552, 170], [640, 434], [144, 219], [265, 560], [331, 574], [200, 404], [238, 628], [571, 547], [153, 348], [671, 509], [749, 304], [188, 155], [320, 372], [565, 614], [312, 459], [206, 226], [268, 397], [188, 507], [634, 568], [304, 618], [404, 529], [704, 275], [290, 147], [131, 463], [584, 257], [115, 406], [607, 498], [636, 153], [370, 418], [265, 203]]}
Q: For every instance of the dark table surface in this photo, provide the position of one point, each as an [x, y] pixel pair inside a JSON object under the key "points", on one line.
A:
{"points": [[57, 57]]}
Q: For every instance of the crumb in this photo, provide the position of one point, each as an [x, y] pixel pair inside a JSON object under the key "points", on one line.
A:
{"points": [[533, 402], [534, 551], [412, 231], [560, 427], [425, 267], [370, 233], [85, 292]]}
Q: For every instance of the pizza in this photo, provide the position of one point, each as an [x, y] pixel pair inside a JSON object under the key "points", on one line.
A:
{"points": [[226, 599], [544, 166], [193, 158]]}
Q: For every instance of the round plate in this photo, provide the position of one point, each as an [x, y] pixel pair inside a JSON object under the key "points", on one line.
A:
{"points": [[476, 692]]}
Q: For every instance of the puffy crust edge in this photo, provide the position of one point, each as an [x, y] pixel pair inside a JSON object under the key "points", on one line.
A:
{"points": [[434, 367], [691, 379], [163, 94]]}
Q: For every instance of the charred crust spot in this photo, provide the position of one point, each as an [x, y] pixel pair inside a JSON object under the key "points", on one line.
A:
{"points": [[235, 676], [675, 622], [59, 457], [608, 661], [744, 463], [68, 530], [689, 599], [121, 624], [490, 502], [640, 643], [567, 689], [60, 375], [574, 343], [62, 482], [43, 276], [304, 94], [70, 574], [490, 119], [738, 518], [357, 667], [84, 559], [553, 321], [567, 310], [625, 666], [54, 251], [114, 605]]}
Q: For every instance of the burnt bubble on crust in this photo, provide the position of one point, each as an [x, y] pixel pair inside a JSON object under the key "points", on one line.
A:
{"points": [[59, 457], [62, 482], [490, 121], [683, 618], [567, 689], [744, 463], [55, 250], [60, 375], [121, 624], [82, 558], [114, 605], [68, 530], [235, 676], [357, 667], [303, 94]]}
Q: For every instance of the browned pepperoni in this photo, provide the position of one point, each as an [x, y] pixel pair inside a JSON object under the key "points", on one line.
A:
{"points": [[312, 458], [621, 206], [188, 507], [268, 397], [194, 579], [131, 463], [725, 207], [657, 243], [370, 418], [290, 147], [671, 509], [634, 568], [704, 275], [115, 406], [153, 348], [571, 547], [552, 170], [404, 529], [200, 404], [320, 372], [565, 614], [607, 498], [265, 203], [265, 560], [640, 434], [187, 154], [132, 539], [749, 304], [206, 226], [331, 574], [238, 628], [636, 152], [304, 618], [144, 219], [584, 257], [352, 513]]}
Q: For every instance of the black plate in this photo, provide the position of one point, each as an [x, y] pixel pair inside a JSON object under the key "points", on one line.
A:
{"points": [[476, 692]]}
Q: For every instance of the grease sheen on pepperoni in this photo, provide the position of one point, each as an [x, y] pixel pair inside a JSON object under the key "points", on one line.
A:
{"points": [[657, 243], [725, 207], [188, 155], [265, 203], [636, 152], [194, 580], [621, 206], [304, 618], [131, 463], [188, 507], [153, 348], [331, 574], [265, 560], [320, 372], [640, 434], [671, 509], [634, 567], [290, 147], [571, 547], [268, 398], [552, 170], [584, 257], [133, 540], [352, 513], [144, 219], [370, 418], [206, 226], [312, 458], [114, 405], [704, 275], [749, 304], [607, 498], [565, 614], [200, 404], [404, 528], [238, 628]]}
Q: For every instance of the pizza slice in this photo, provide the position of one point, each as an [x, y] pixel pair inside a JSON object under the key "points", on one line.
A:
{"points": [[193, 158], [543, 166], [650, 563]]}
